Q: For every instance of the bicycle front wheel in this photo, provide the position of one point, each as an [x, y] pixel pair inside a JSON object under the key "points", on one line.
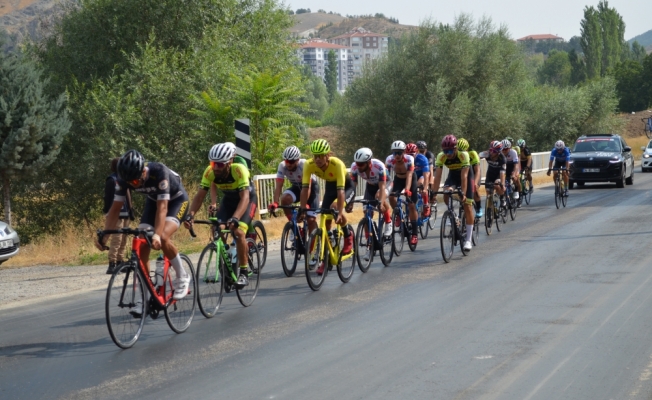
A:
{"points": [[260, 240], [557, 195], [423, 228], [512, 209], [399, 232], [447, 236], [462, 232], [179, 313], [289, 253], [209, 281], [564, 199], [386, 243], [125, 305], [432, 221], [488, 217], [476, 232], [316, 265], [346, 262], [247, 294], [364, 247], [527, 195]]}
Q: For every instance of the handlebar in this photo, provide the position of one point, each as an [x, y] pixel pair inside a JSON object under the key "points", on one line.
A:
{"points": [[457, 190], [147, 233], [369, 202]]}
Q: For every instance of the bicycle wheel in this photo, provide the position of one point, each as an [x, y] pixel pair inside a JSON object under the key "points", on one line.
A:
{"points": [[313, 251], [564, 199], [496, 212], [433, 217], [512, 208], [126, 292], [488, 217], [179, 313], [476, 232], [447, 236], [209, 281], [346, 263], [399, 232], [503, 210], [423, 228], [260, 240], [364, 248], [386, 243], [247, 294], [557, 194], [289, 253], [462, 232]]}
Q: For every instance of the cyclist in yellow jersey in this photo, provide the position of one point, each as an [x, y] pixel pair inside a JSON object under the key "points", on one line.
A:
{"points": [[474, 160], [238, 205], [339, 190]]}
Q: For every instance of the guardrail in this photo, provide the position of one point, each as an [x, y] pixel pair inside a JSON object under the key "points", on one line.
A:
{"points": [[265, 183]]}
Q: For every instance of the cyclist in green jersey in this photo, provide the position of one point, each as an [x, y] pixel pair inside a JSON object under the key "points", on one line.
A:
{"points": [[474, 160]]}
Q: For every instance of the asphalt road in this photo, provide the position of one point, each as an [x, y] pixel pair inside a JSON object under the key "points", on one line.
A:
{"points": [[556, 306]]}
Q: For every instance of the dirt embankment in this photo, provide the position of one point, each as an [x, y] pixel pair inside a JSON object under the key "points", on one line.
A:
{"points": [[633, 124]]}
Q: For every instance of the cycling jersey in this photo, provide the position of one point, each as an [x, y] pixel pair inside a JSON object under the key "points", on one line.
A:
{"points": [[474, 159], [390, 162], [295, 177], [525, 154], [376, 173], [335, 173], [495, 167], [430, 157], [161, 183], [560, 158], [456, 164], [235, 181], [511, 157], [421, 165]]}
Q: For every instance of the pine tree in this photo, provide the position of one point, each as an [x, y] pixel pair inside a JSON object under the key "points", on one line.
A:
{"points": [[331, 76], [32, 125], [591, 42]]}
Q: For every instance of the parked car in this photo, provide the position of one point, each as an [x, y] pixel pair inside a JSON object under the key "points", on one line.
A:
{"points": [[646, 158], [9, 242], [601, 158]]}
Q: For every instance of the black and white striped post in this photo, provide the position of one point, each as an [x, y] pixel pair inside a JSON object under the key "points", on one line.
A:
{"points": [[243, 140]]}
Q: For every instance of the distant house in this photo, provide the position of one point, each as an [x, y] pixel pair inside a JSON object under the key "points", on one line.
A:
{"points": [[315, 53], [541, 38], [363, 46]]}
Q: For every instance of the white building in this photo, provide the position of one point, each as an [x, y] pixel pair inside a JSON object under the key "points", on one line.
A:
{"points": [[363, 46], [315, 54]]}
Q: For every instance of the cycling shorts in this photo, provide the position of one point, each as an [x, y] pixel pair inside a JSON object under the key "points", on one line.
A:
{"points": [[559, 164], [177, 210], [229, 205], [313, 199], [371, 191], [454, 180], [399, 185], [330, 194], [492, 176], [523, 165]]}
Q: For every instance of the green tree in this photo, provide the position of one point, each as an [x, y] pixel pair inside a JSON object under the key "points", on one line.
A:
{"points": [[316, 95], [578, 68], [591, 42], [330, 76], [32, 124], [602, 39], [556, 69], [638, 52], [629, 86]]}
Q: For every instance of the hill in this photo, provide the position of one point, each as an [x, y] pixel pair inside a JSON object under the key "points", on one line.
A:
{"points": [[311, 22], [644, 39], [22, 18], [372, 24]]}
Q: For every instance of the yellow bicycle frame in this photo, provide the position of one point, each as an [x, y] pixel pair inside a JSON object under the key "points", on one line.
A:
{"points": [[333, 255]]}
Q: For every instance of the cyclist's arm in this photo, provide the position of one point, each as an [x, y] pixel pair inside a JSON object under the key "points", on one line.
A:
{"points": [[197, 200], [113, 215], [382, 186], [214, 195], [529, 162], [476, 174], [161, 214], [340, 200], [437, 181], [277, 190]]}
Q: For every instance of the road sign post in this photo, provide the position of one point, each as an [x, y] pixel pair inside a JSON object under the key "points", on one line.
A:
{"points": [[243, 140]]}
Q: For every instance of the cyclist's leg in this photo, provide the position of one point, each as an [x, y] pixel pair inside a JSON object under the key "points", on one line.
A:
{"points": [[289, 196], [330, 195], [313, 203], [468, 208], [412, 206]]}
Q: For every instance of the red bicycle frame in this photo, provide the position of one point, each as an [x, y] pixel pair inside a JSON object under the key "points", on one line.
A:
{"points": [[158, 293]]}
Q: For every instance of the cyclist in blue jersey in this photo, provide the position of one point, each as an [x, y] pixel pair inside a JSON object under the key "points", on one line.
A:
{"points": [[422, 171], [561, 157]]}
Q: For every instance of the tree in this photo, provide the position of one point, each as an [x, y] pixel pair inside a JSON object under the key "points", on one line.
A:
{"points": [[556, 69], [602, 39], [638, 52], [330, 76], [578, 68], [316, 96], [629, 86], [32, 124], [591, 42]]}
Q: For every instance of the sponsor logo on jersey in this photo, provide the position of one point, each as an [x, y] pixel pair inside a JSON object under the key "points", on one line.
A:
{"points": [[163, 185]]}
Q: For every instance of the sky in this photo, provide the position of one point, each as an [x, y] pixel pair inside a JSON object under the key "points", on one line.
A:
{"points": [[522, 17]]}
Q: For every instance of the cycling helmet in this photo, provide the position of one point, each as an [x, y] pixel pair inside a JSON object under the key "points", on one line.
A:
{"points": [[222, 152], [511, 140], [362, 155], [411, 148], [462, 144], [506, 144], [449, 142], [559, 144], [398, 145], [131, 165], [320, 147], [496, 145], [421, 145], [520, 143], [292, 153]]}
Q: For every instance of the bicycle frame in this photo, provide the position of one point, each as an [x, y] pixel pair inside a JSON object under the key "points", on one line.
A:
{"points": [[158, 294], [333, 256], [221, 251]]}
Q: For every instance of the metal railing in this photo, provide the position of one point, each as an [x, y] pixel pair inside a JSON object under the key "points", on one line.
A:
{"points": [[265, 183]]}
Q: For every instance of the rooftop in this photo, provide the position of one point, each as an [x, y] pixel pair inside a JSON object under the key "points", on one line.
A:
{"points": [[321, 45], [545, 36]]}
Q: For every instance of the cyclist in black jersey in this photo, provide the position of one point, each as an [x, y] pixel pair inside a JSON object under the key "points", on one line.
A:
{"points": [[165, 207]]}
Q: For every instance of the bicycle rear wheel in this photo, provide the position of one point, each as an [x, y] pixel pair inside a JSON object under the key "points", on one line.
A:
{"points": [[399, 232], [476, 232], [289, 253], [364, 247], [345, 267], [433, 217], [447, 236], [260, 240], [179, 313], [386, 243], [423, 228], [313, 251], [247, 294], [462, 232], [209, 281], [512, 208], [125, 293], [557, 194], [527, 193], [564, 199], [488, 217]]}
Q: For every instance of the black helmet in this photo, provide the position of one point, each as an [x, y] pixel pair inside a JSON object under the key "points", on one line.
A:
{"points": [[421, 145], [131, 165]]}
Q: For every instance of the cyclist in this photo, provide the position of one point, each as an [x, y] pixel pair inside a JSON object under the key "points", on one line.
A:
{"points": [[238, 204], [496, 168], [422, 172], [339, 190], [526, 161], [561, 156], [423, 149], [459, 174], [474, 160], [292, 168], [166, 205], [404, 179], [516, 149], [513, 167], [374, 172]]}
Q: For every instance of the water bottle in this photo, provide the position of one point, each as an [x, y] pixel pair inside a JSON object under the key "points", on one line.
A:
{"points": [[158, 275], [233, 255], [332, 235]]}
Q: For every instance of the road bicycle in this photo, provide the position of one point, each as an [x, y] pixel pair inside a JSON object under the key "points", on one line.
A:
{"points": [[259, 235], [369, 237], [127, 303], [433, 211], [560, 188], [292, 241], [423, 222], [526, 189], [510, 201], [401, 223], [492, 211], [453, 226], [218, 269], [647, 127], [325, 247]]}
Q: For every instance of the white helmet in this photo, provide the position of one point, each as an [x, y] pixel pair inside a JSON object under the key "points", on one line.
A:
{"points": [[398, 145], [559, 144], [506, 144], [222, 152], [363, 155], [292, 153]]}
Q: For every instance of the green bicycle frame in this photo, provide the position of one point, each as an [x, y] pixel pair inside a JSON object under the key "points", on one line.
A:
{"points": [[221, 250]]}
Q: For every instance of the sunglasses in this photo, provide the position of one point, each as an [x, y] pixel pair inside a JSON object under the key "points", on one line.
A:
{"points": [[291, 162], [495, 151], [449, 151], [361, 164], [217, 164], [135, 182], [398, 153]]}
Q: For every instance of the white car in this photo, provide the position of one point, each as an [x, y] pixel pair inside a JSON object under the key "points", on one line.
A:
{"points": [[9, 242], [646, 158]]}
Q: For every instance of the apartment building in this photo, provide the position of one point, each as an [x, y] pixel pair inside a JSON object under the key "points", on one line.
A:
{"points": [[363, 46], [315, 53]]}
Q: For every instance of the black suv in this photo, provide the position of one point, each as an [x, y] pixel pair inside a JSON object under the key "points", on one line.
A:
{"points": [[601, 158]]}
